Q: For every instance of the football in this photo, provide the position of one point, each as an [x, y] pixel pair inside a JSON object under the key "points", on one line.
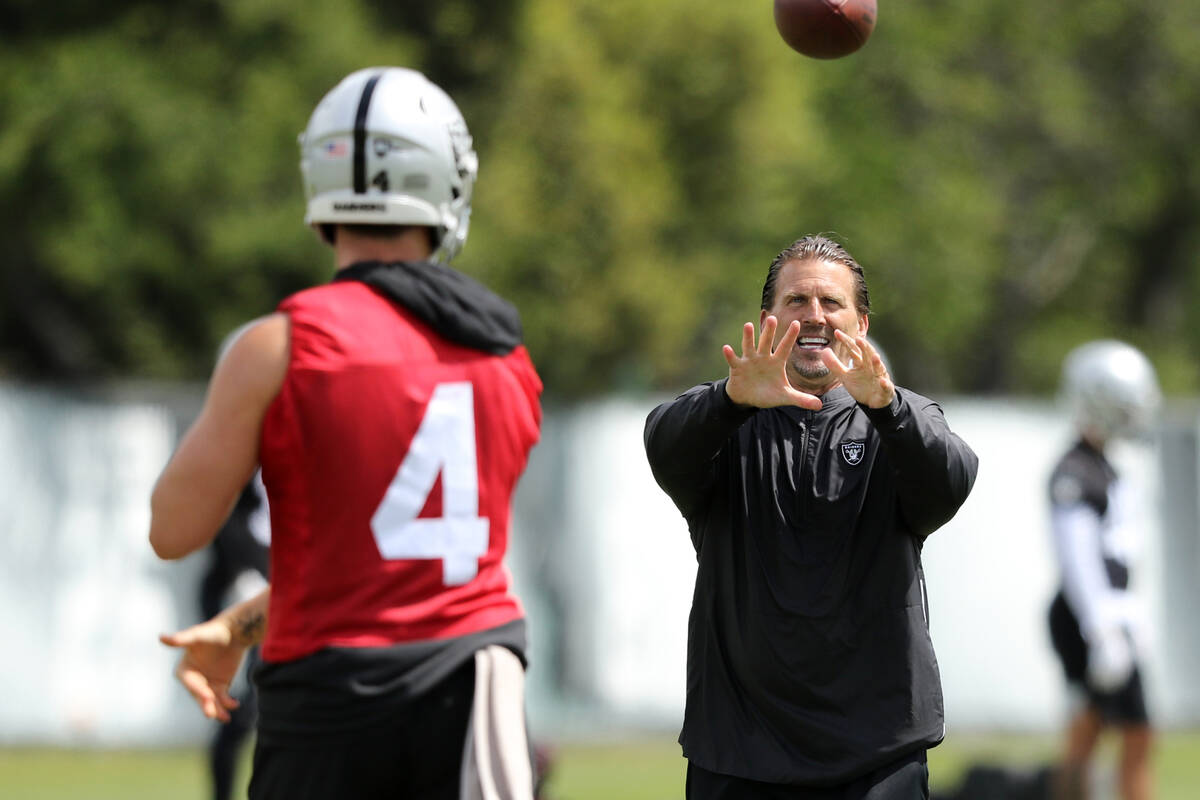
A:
{"points": [[825, 28]]}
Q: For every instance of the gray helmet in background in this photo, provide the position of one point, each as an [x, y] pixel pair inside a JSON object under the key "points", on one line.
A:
{"points": [[388, 147], [1111, 388]]}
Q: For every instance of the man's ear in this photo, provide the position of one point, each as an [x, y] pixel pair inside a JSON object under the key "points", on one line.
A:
{"points": [[762, 317], [864, 322]]}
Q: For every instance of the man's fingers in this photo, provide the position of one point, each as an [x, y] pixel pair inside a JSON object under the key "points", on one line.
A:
{"points": [[864, 344], [200, 691], [767, 337], [877, 365], [214, 700], [834, 363], [226, 699], [788, 340], [747, 339], [803, 400], [203, 667], [730, 356], [173, 639], [853, 344], [216, 711], [204, 633]]}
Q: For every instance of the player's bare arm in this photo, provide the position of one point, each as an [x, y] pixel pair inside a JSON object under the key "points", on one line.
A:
{"points": [[759, 376], [213, 651], [865, 377], [219, 453]]}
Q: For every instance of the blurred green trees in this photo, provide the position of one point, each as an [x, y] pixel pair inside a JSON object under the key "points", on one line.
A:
{"points": [[1015, 177]]}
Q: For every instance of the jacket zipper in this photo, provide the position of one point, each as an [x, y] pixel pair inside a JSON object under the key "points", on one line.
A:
{"points": [[801, 478]]}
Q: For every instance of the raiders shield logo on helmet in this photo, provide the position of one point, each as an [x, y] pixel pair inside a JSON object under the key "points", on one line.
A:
{"points": [[853, 452]]}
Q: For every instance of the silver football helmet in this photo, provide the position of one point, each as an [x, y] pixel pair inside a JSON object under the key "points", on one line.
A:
{"points": [[1111, 388], [388, 147]]}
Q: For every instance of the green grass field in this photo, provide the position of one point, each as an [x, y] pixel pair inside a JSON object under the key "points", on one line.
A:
{"points": [[641, 769]]}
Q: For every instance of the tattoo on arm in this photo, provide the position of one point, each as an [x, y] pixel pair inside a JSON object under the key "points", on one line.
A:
{"points": [[249, 627]]}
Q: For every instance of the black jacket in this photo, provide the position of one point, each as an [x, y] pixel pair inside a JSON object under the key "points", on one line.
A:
{"points": [[809, 657]]}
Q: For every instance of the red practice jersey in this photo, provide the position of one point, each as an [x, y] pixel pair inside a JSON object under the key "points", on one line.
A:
{"points": [[390, 459]]}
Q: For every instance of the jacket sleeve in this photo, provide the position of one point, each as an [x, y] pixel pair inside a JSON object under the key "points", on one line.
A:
{"points": [[684, 437], [1085, 582], [933, 468]]}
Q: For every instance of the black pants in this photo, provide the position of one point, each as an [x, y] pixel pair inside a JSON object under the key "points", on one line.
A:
{"points": [[905, 779], [418, 755]]}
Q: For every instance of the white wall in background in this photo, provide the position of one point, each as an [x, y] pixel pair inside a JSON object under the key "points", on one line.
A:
{"points": [[81, 594], [601, 558]]}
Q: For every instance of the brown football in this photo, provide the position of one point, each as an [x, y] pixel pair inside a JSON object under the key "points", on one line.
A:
{"points": [[825, 28]]}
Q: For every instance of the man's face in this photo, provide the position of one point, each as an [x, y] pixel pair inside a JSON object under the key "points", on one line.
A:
{"points": [[820, 294]]}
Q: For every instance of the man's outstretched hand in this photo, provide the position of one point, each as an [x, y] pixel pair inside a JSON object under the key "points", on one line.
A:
{"points": [[865, 377], [211, 657], [759, 376]]}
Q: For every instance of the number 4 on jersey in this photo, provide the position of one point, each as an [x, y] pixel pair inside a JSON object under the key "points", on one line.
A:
{"points": [[444, 443]]}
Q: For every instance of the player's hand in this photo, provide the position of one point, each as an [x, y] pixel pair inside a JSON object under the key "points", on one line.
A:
{"points": [[759, 376], [1110, 659], [211, 657], [865, 377]]}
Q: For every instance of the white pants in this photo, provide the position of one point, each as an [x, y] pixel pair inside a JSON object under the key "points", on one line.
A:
{"points": [[496, 757]]}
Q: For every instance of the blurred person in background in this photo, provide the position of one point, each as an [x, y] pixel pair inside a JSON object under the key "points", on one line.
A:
{"points": [[392, 412], [237, 571], [1097, 626], [809, 482]]}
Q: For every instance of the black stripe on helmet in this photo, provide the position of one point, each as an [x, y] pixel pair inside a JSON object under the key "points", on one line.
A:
{"points": [[360, 135]]}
